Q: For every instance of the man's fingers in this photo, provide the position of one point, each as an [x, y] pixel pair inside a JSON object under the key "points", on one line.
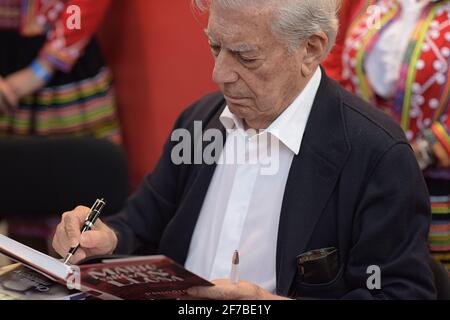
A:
{"points": [[61, 242], [57, 242], [72, 222], [61, 247], [214, 293], [224, 290], [81, 213], [72, 231], [78, 256], [95, 239]]}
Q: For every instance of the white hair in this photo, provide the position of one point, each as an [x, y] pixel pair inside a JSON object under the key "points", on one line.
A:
{"points": [[296, 20]]}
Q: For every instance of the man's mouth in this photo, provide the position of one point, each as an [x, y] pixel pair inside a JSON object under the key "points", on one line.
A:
{"points": [[234, 99]]}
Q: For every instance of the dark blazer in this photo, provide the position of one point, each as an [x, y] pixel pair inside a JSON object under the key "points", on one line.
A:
{"points": [[355, 186]]}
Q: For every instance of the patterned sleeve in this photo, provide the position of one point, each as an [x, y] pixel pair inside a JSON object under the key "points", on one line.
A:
{"points": [[439, 131], [66, 44]]}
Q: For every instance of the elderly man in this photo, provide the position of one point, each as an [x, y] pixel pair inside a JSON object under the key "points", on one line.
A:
{"points": [[345, 215]]}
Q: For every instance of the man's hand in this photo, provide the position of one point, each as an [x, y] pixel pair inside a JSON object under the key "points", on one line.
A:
{"points": [[224, 290], [8, 98], [98, 241]]}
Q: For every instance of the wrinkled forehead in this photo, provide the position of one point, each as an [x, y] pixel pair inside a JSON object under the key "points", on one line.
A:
{"points": [[206, 4]]}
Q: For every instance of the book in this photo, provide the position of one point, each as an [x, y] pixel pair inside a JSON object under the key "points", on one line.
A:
{"points": [[133, 278], [17, 282]]}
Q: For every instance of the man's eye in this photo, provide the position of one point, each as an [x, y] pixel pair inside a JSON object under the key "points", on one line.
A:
{"points": [[215, 50], [247, 60]]}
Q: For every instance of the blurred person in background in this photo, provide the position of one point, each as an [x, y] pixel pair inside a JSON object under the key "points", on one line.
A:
{"points": [[396, 54], [52, 78], [53, 81]]}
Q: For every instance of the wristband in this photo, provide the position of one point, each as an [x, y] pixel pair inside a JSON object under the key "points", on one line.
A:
{"points": [[40, 72]]}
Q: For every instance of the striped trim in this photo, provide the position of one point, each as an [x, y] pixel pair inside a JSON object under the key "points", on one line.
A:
{"points": [[364, 86], [440, 205], [416, 47], [64, 95], [361, 14], [439, 244], [84, 108], [9, 15], [28, 14], [442, 135], [90, 116], [439, 236], [444, 104], [442, 256], [59, 58]]}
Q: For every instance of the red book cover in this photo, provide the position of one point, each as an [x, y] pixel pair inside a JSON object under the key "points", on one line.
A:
{"points": [[140, 278]]}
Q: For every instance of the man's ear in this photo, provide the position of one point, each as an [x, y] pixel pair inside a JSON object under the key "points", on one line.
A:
{"points": [[315, 51]]}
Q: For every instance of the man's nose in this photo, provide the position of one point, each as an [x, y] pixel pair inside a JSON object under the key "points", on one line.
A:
{"points": [[224, 69]]}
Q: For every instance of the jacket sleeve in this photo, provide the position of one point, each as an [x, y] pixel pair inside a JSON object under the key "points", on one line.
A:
{"points": [[66, 44], [139, 227], [390, 231]]}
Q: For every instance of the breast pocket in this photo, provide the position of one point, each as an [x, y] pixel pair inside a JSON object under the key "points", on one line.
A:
{"points": [[331, 290], [319, 274]]}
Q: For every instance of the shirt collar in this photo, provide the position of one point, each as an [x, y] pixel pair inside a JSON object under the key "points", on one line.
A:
{"points": [[290, 126]]}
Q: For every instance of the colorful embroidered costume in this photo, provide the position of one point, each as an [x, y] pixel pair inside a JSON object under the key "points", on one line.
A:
{"points": [[416, 92], [79, 99]]}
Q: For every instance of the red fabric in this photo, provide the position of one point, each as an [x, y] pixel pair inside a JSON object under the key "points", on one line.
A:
{"points": [[161, 63], [333, 63], [64, 45], [91, 14]]}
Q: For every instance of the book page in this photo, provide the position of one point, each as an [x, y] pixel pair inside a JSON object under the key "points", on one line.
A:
{"points": [[34, 259]]}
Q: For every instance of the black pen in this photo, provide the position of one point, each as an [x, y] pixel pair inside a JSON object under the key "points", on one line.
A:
{"points": [[89, 222]]}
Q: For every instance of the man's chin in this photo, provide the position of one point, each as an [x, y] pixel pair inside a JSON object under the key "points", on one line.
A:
{"points": [[239, 110]]}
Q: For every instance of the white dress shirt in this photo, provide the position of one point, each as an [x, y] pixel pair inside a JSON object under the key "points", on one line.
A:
{"points": [[241, 210], [384, 62]]}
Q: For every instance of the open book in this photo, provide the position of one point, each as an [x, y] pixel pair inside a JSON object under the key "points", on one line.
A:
{"points": [[137, 278]]}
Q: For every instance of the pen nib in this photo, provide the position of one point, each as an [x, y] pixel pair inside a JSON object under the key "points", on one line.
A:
{"points": [[236, 257]]}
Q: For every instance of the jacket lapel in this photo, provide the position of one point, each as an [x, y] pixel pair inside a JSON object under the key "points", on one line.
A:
{"points": [[312, 178], [182, 227]]}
